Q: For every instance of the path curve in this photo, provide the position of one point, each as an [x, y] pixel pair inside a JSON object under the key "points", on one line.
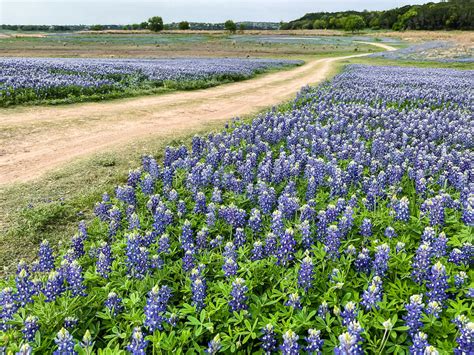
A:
{"points": [[34, 140]]}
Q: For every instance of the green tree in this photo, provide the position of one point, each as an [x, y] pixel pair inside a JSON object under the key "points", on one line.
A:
{"points": [[183, 25], [155, 23], [97, 28], [353, 23], [144, 25], [230, 26], [242, 27], [320, 24]]}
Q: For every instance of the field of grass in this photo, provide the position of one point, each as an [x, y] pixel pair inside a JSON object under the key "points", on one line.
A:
{"points": [[174, 45]]}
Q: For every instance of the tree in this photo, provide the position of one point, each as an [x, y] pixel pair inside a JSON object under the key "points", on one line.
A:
{"points": [[242, 27], [97, 28], [320, 24], [353, 23], [230, 26], [144, 25], [183, 25], [155, 23]]}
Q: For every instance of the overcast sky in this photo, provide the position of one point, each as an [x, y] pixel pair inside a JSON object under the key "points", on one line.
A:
{"points": [[125, 12]]}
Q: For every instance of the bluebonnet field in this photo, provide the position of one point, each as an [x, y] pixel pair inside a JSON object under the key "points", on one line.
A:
{"points": [[340, 225], [30, 79]]}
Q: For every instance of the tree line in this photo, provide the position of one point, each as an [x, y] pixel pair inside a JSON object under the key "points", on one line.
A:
{"points": [[451, 15]]}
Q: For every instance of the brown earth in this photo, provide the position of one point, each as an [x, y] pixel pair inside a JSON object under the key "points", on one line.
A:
{"points": [[34, 140]]}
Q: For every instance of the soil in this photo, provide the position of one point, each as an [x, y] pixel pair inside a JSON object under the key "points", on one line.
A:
{"points": [[35, 140]]}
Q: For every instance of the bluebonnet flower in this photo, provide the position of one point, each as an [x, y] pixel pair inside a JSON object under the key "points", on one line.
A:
{"points": [[433, 308], [255, 220], [363, 262], [239, 237], [413, 317], [460, 279], [348, 345], [217, 241], [147, 184], [468, 211], [133, 177], [65, 343], [230, 251], [428, 235], [198, 289], [104, 261], [8, 307], [465, 339], [201, 238], [114, 303], [200, 206], [277, 225], [257, 251], [115, 220], [230, 267], [420, 343], [87, 344], [46, 260], [381, 260], [238, 294], [75, 279], [156, 262], [400, 247], [164, 244], [126, 194], [269, 342], [155, 307], [287, 248], [306, 238], [366, 227], [314, 342], [390, 232], [270, 244], [138, 344], [402, 210], [290, 344], [188, 260], [25, 349], [70, 322], [349, 313], [31, 326], [373, 294], [266, 199], [25, 288], [294, 301], [321, 224], [181, 209], [54, 286], [78, 246], [440, 245], [354, 328], [187, 236], [305, 274], [421, 263], [216, 195], [323, 309], [137, 257], [101, 209], [214, 346], [437, 283]]}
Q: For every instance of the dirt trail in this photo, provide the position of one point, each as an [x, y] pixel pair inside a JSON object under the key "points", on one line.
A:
{"points": [[34, 140]]}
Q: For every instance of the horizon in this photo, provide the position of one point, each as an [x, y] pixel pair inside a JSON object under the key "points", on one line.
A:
{"points": [[73, 12]]}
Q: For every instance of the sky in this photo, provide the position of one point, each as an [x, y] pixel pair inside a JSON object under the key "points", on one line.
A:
{"points": [[126, 12]]}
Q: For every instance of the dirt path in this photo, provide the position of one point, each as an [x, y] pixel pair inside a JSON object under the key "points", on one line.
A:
{"points": [[34, 140]]}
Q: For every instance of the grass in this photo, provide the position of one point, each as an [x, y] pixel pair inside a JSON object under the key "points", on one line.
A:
{"points": [[410, 63]]}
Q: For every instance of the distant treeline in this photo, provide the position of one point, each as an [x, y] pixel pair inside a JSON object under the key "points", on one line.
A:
{"points": [[454, 14], [143, 25]]}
